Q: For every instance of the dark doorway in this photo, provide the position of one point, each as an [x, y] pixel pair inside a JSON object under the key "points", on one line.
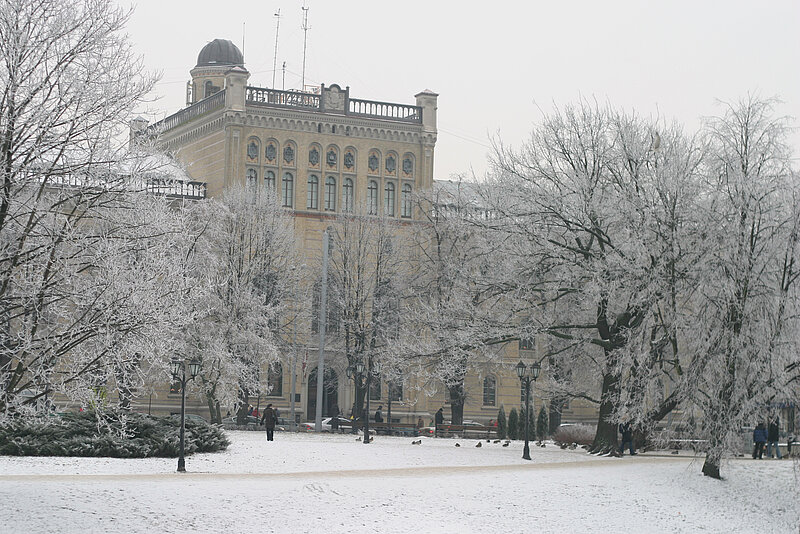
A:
{"points": [[330, 395]]}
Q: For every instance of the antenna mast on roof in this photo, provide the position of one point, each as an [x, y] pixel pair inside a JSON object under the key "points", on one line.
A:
{"points": [[275, 57], [305, 41], [243, 34]]}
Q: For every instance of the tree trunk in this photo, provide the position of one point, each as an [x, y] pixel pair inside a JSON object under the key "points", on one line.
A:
{"points": [[244, 403], [456, 393], [712, 463], [605, 439], [555, 407]]}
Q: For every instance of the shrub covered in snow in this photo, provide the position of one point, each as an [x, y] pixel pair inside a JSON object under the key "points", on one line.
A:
{"points": [[119, 435], [580, 434]]}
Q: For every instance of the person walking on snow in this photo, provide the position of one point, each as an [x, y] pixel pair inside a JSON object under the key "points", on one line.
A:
{"points": [[438, 419], [759, 438], [627, 437], [269, 421], [773, 434]]}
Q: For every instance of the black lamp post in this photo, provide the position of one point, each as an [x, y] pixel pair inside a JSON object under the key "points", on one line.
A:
{"points": [[526, 373], [178, 368], [372, 368]]}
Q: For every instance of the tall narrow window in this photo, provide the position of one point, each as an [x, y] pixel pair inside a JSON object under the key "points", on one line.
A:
{"points": [[312, 201], [287, 190], [375, 389], [269, 181], [252, 178], [489, 391], [372, 198], [388, 200], [275, 380], [406, 202], [347, 195], [330, 193]]}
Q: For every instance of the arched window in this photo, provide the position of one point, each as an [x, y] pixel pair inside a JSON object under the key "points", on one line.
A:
{"points": [[395, 391], [489, 391], [372, 198], [269, 181], [275, 380], [208, 90], [312, 201], [375, 389], [347, 195], [287, 190], [252, 178], [330, 193], [405, 200], [388, 200]]}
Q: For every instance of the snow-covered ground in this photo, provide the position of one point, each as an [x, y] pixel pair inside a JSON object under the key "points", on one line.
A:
{"points": [[332, 483]]}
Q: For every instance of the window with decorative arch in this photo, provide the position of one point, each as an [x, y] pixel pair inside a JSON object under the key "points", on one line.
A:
{"points": [[330, 193], [252, 178], [269, 181], [388, 199], [287, 190], [312, 195], [348, 194], [489, 391], [405, 202], [372, 198]]}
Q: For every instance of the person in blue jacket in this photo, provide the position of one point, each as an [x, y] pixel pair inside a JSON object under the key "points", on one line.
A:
{"points": [[760, 438]]}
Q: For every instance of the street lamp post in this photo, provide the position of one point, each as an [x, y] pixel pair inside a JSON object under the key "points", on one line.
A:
{"points": [[526, 374], [178, 368], [371, 368]]}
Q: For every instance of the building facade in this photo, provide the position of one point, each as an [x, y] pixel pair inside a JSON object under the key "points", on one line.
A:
{"points": [[322, 153]]}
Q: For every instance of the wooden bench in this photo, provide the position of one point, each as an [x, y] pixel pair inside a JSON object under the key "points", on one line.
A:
{"points": [[466, 431]]}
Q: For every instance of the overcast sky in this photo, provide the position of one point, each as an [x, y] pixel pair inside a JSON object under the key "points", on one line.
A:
{"points": [[494, 64]]}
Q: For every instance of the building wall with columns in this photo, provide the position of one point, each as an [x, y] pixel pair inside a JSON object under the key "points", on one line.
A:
{"points": [[310, 148]]}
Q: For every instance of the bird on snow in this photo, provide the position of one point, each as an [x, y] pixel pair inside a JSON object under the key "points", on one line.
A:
{"points": [[488, 440], [506, 444], [479, 444], [417, 442], [457, 445], [358, 438], [496, 441], [563, 445]]}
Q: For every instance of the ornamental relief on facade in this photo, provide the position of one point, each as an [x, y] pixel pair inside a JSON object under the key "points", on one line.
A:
{"points": [[271, 152], [349, 160], [288, 155], [313, 157]]}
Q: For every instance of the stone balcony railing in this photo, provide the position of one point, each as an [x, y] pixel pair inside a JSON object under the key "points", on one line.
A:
{"points": [[260, 96], [207, 105]]}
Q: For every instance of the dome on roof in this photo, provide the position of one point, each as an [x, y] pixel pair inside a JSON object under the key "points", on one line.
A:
{"points": [[220, 52]]}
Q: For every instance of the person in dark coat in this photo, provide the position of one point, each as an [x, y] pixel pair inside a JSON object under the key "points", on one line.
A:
{"points": [[438, 419], [379, 415], [759, 438], [627, 437], [268, 420], [773, 434]]}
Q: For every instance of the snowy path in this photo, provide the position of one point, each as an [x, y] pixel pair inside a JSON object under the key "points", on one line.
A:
{"points": [[330, 484]]}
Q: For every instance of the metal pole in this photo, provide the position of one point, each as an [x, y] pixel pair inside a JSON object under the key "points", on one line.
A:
{"points": [[181, 459], [323, 304], [294, 374], [389, 413], [526, 452], [366, 411]]}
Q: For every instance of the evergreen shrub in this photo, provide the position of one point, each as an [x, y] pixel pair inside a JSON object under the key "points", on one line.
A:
{"points": [[117, 435]]}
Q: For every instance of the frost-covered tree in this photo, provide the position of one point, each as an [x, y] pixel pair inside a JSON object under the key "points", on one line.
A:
{"points": [[68, 83], [459, 322], [745, 334], [248, 262], [584, 206], [366, 274]]}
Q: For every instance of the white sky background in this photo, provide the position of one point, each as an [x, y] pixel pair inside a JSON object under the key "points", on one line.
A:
{"points": [[494, 64]]}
